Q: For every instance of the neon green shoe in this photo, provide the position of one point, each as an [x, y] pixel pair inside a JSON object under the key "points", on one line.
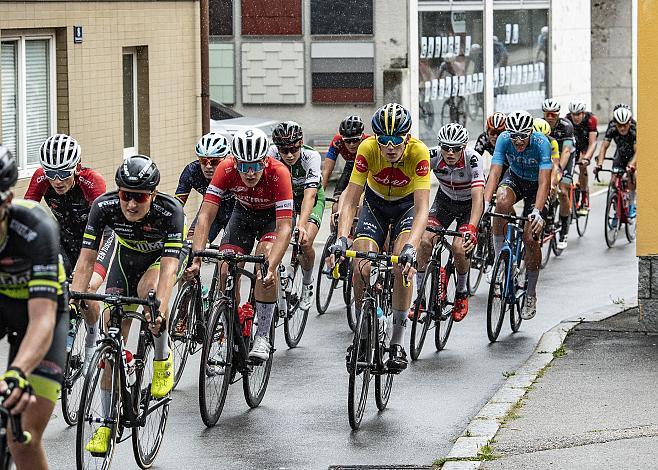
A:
{"points": [[163, 377], [99, 441]]}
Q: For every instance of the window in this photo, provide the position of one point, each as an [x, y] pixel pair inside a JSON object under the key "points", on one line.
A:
{"points": [[343, 72], [28, 97], [222, 72], [341, 17], [221, 17], [271, 17], [129, 103]]}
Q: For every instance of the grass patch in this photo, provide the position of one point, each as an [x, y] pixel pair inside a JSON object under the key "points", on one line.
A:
{"points": [[467, 433], [559, 352], [509, 373], [512, 413], [486, 453]]}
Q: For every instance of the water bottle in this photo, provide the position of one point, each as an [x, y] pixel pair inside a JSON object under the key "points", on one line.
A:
{"points": [[129, 367], [381, 323], [204, 298], [70, 338]]}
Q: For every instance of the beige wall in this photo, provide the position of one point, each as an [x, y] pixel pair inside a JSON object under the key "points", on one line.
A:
{"points": [[95, 105]]}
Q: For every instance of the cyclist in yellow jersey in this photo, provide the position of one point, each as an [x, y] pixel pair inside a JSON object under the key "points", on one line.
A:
{"points": [[393, 169], [541, 125]]}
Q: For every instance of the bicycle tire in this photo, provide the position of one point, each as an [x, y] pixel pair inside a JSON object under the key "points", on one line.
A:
{"points": [[254, 384], [147, 438], [581, 220], [73, 373], [630, 227], [546, 247], [6, 460], [383, 387], [557, 229], [216, 363], [99, 361], [348, 297], [482, 254], [522, 283], [181, 343], [496, 313], [612, 221], [322, 304], [356, 402], [443, 325], [295, 319], [422, 316]]}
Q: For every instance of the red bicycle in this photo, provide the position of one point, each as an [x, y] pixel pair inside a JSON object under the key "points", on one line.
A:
{"points": [[617, 208]]}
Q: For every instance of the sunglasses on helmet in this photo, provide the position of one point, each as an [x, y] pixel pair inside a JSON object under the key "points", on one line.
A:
{"points": [[519, 136], [139, 198], [245, 167], [452, 148], [58, 174], [395, 140], [210, 161]]}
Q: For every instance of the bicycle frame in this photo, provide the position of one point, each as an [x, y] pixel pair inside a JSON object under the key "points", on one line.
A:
{"points": [[513, 245]]}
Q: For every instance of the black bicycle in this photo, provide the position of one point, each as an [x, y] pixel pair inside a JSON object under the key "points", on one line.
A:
{"points": [[228, 341], [291, 285], [117, 394], [436, 296], [366, 355], [73, 367], [552, 228], [24, 437]]}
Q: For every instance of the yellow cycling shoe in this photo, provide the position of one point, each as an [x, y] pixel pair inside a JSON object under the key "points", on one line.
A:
{"points": [[163, 377], [99, 441]]}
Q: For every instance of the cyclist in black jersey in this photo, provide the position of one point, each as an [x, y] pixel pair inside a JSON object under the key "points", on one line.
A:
{"points": [[32, 313], [149, 227], [487, 140], [585, 131]]}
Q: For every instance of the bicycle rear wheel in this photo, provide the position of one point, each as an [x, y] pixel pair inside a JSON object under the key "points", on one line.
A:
{"points": [[92, 414], [581, 220], [478, 262], [147, 437], [443, 324], [612, 221], [522, 284], [294, 321], [358, 366], [424, 306], [557, 229], [348, 297], [254, 384], [630, 228], [496, 304], [181, 325], [74, 371], [216, 363], [323, 298]]}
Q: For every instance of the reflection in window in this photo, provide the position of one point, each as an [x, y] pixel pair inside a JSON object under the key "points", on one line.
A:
{"points": [[521, 67], [451, 71]]}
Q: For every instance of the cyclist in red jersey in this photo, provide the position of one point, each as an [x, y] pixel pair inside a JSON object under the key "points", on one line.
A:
{"points": [[585, 131], [263, 211]]}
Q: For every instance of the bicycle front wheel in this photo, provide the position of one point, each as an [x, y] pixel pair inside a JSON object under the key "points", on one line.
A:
{"points": [[358, 366], [181, 325], [581, 220], [99, 407], [152, 412], [383, 387], [612, 222], [631, 228], [443, 324], [325, 284], [348, 297], [425, 304], [254, 384], [74, 371], [497, 303], [216, 362], [294, 321], [478, 262]]}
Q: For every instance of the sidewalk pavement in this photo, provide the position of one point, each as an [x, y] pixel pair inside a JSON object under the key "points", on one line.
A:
{"points": [[594, 406]]}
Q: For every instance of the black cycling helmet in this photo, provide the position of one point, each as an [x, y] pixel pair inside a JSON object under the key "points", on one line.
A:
{"points": [[351, 126], [287, 133], [138, 172], [8, 169], [391, 119]]}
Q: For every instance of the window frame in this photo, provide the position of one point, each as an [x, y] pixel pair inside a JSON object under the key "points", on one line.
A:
{"points": [[129, 151], [26, 170]]}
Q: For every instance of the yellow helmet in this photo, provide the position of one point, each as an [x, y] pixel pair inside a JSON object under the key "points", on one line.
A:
{"points": [[540, 125]]}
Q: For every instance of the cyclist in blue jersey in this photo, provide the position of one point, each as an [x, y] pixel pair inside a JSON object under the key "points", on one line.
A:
{"points": [[528, 155], [211, 150]]}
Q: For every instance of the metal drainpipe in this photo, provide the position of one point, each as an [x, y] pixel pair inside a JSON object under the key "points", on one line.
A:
{"points": [[205, 72]]}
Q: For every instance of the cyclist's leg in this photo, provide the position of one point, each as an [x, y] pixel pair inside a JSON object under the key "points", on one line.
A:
{"points": [[439, 216], [506, 196], [583, 181], [532, 246], [565, 199], [462, 211]]}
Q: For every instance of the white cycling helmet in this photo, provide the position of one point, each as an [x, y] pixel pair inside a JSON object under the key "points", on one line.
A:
{"points": [[622, 115], [452, 134], [212, 145], [249, 145], [519, 121], [550, 105], [577, 106], [59, 152]]}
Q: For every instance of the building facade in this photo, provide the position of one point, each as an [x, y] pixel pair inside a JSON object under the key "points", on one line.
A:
{"points": [[120, 77]]}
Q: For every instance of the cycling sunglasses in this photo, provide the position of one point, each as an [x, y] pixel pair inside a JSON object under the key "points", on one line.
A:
{"points": [[352, 140], [58, 174], [210, 161], [550, 114], [395, 140], [139, 198], [244, 167], [452, 148], [288, 149], [519, 136]]}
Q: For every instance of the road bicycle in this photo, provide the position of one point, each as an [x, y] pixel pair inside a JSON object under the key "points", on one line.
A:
{"points": [[366, 356], [551, 229], [507, 291], [483, 257], [73, 377], [17, 433], [225, 354], [290, 292], [117, 391], [436, 296], [617, 208], [576, 198]]}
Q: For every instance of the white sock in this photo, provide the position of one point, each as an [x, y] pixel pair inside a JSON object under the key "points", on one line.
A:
{"points": [[106, 402], [161, 346], [92, 336], [419, 280], [461, 282], [399, 326], [307, 276], [264, 313]]}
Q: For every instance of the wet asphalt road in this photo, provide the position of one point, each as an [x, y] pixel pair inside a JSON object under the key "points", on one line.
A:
{"points": [[302, 421]]}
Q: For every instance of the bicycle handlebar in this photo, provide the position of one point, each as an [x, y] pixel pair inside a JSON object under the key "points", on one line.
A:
{"points": [[508, 217], [330, 199], [117, 300], [23, 437], [445, 232]]}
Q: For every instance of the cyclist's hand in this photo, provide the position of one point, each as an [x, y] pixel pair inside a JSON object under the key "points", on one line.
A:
{"points": [[470, 232], [270, 277], [584, 161], [20, 391], [597, 168], [630, 168], [192, 270], [407, 259], [303, 236], [157, 326], [536, 222], [336, 252]]}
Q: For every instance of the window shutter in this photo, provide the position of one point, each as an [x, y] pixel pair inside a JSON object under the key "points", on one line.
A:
{"points": [[37, 102], [8, 66]]}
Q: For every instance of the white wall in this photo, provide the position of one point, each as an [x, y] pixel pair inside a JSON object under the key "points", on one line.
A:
{"points": [[570, 51]]}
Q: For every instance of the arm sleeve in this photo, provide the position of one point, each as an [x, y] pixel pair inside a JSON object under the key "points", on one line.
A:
{"points": [[545, 161], [184, 185], [283, 196], [218, 187], [499, 152], [313, 171], [592, 125], [96, 186], [477, 171], [35, 190], [94, 229], [176, 227], [479, 144], [332, 153], [610, 133], [44, 278], [422, 170], [555, 150]]}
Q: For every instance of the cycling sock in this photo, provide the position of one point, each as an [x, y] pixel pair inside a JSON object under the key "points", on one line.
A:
{"points": [[91, 336], [632, 194], [307, 276], [532, 277], [399, 325], [161, 346], [498, 241], [419, 281], [564, 221], [461, 282], [106, 402], [264, 313]]}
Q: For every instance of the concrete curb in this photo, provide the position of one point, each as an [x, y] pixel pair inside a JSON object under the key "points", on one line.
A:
{"points": [[485, 425]]}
